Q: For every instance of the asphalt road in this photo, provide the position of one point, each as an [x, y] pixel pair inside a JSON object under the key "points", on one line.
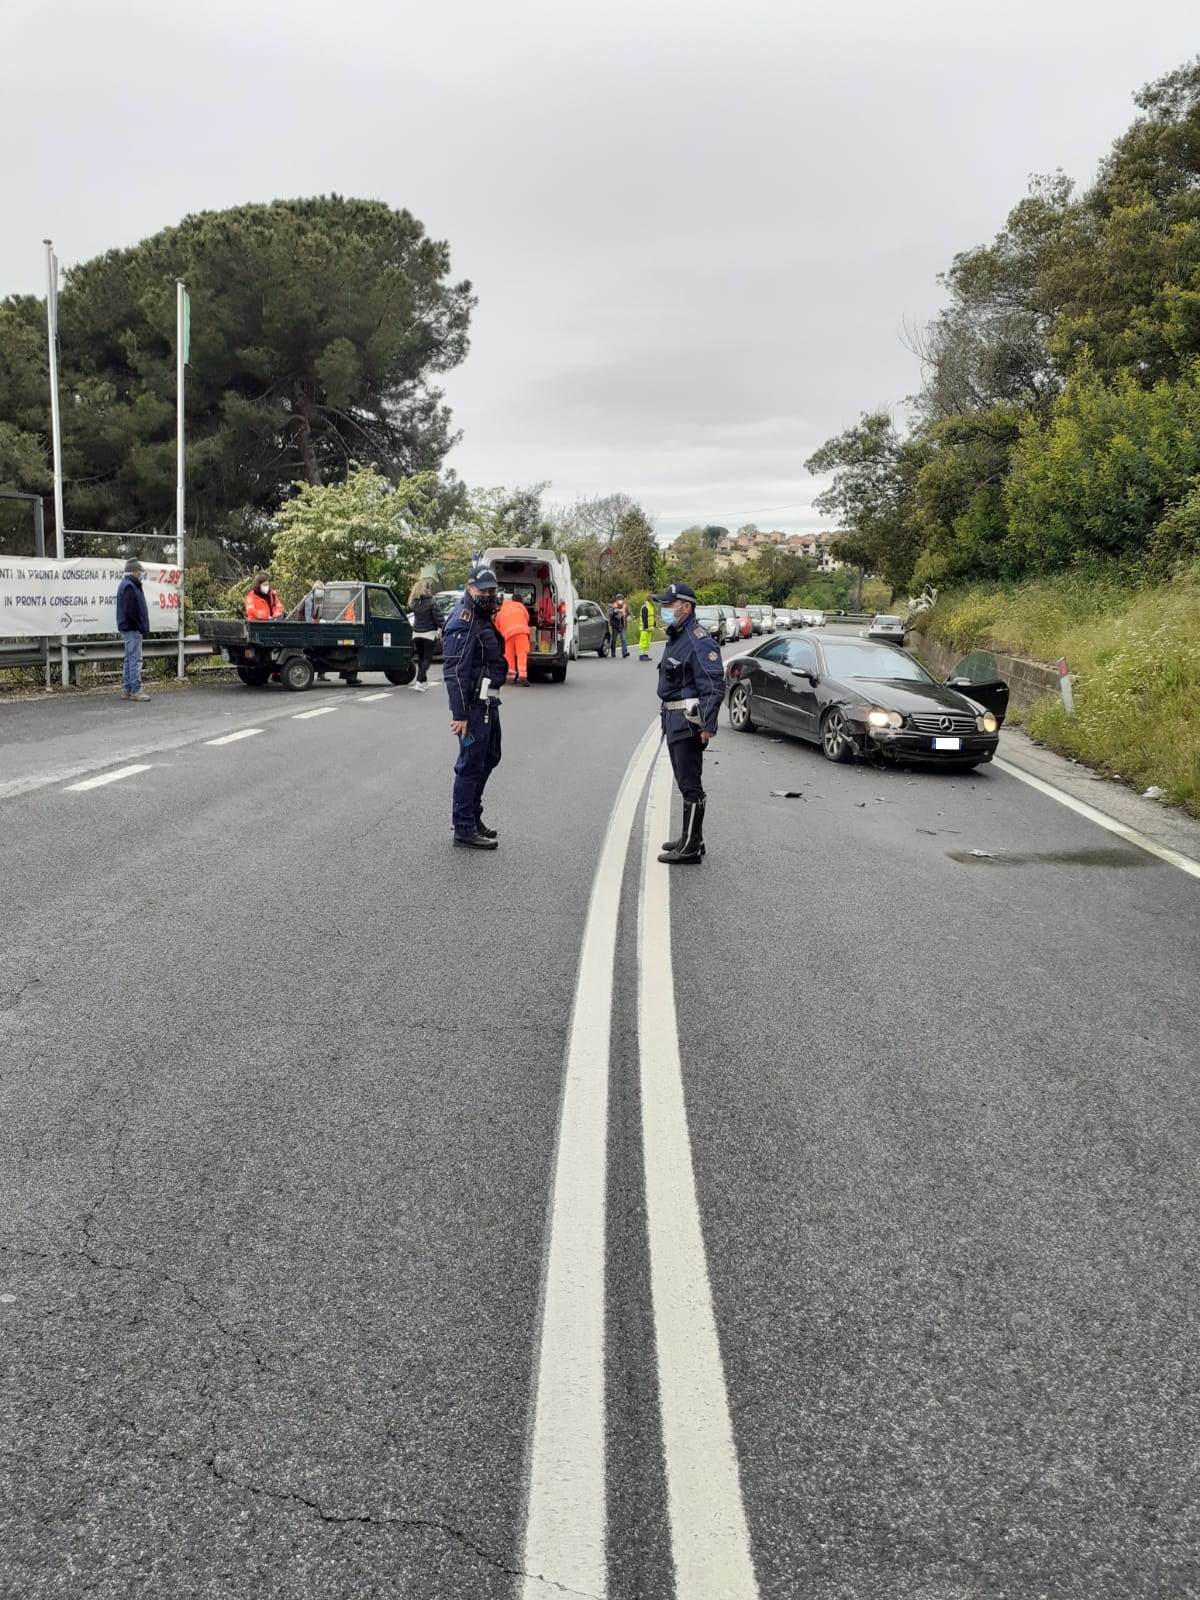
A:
{"points": [[293, 1207]]}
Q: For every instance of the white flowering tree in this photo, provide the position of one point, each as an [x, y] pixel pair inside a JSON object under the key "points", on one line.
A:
{"points": [[365, 528]]}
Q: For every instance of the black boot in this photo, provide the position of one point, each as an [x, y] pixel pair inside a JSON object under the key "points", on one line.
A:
{"points": [[488, 833], [690, 848], [673, 846]]}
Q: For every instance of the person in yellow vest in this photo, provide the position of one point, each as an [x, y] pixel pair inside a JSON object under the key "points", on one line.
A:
{"points": [[646, 618], [512, 624]]}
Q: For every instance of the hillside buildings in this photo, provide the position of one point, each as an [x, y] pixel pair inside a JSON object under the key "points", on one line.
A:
{"points": [[735, 549]]}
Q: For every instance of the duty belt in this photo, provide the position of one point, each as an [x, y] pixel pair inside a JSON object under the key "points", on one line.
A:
{"points": [[675, 705]]}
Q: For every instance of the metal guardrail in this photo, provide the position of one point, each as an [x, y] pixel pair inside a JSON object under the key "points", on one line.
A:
{"points": [[82, 651]]}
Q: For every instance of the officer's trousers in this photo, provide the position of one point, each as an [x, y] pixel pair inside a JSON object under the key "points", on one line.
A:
{"points": [[478, 757], [687, 763]]}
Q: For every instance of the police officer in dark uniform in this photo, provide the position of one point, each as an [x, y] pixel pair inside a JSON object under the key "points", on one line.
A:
{"points": [[473, 669], [691, 686]]}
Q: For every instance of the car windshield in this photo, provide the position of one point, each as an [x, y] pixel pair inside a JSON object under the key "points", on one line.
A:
{"points": [[862, 661], [887, 621]]}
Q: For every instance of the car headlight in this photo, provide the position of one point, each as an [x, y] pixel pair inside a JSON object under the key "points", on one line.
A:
{"points": [[884, 719], [986, 723]]}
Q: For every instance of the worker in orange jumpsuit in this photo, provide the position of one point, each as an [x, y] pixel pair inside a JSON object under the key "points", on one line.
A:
{"points": [[512, 624], [262, 603]]}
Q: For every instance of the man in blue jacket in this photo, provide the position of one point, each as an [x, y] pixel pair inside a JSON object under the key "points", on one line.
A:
{"points": [[133, 624], [473, 669], [691, 687]]}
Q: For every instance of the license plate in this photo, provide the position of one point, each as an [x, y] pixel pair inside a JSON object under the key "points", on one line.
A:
{"points": [[947, 744], [545, 647]]}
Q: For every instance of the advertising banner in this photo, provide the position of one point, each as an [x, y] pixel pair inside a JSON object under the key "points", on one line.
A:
{"points": [[40, 598]]}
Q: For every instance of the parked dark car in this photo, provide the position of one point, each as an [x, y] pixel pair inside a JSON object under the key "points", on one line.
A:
{"points": [[856, 698], [715, 619], [591, 628]]}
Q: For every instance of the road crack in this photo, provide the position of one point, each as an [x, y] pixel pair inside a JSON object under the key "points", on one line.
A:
{"points": [[386, 1519]]}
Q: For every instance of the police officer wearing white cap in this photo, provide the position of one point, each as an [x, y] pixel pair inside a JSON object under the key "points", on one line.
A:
{"points": [[473, 670], [691, 686]]}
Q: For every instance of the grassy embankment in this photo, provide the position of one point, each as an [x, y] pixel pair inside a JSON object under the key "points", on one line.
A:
{"points": [[1136, 653]]}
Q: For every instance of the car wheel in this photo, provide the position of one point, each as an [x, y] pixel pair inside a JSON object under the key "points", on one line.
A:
{"points": [[405, 676], [739, 708], [254, 677], [558, 674], [297, 673], [603, 650], [836, 743]]}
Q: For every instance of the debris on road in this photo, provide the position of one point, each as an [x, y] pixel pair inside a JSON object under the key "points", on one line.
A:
{"points": [[936, 831], [1153, 792], [787, 794], [985, 855]]}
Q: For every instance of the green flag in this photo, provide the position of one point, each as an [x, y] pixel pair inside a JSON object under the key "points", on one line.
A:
{"points": [[187, 327]]}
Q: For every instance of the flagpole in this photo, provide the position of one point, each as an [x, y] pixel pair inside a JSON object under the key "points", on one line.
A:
{"points": [[56, 424], [181, 355]]}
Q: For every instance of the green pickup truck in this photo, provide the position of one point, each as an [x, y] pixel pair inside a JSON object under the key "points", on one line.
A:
{"points": [[358, 627]]}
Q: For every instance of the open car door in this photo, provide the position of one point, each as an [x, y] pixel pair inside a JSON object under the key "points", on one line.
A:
{"points": [[978, 677]]}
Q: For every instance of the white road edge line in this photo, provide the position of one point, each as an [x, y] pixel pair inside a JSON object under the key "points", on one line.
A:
{"points": [[1162, 851], [565, 1514], [232, 738], [317, 711], [710, 1542], [107, 777], [365, 699]]}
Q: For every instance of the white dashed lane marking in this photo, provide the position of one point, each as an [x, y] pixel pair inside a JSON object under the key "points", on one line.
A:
{"points": [[232, 738], [317, 711], [107, 777], [365, 699]]}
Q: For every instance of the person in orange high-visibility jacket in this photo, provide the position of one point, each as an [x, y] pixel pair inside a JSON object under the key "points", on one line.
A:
{"points": [[262, 603], [512, 624]]}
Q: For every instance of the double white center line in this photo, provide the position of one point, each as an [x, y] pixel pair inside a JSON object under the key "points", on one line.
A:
{"points": [[565, 1539]]}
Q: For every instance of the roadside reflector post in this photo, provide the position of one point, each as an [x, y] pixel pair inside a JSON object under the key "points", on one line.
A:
{"points": [[1064, 684]]}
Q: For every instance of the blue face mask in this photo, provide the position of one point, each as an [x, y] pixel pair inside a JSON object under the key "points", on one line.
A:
{"points": [[668, 615]]}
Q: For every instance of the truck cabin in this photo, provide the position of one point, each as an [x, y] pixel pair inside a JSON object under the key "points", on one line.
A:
{"points": [[349, 602]]}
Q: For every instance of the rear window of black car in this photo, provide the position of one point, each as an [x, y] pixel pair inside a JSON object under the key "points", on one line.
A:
{"points": [[862, 661]]}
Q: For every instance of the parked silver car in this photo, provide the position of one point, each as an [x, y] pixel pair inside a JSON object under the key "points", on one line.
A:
{"points": [[886, 629]]}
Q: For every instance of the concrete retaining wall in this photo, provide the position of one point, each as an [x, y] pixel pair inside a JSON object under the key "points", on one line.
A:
{"points": [[1027, 680]]}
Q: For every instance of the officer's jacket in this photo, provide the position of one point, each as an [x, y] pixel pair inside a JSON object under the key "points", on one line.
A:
{"points": [[471, 651], [690, 668]]}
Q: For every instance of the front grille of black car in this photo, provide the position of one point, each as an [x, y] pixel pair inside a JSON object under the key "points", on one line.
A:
{"points": [[943, 722]]}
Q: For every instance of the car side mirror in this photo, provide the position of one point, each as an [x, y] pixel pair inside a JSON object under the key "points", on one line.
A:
{"points": [[958, 683]]}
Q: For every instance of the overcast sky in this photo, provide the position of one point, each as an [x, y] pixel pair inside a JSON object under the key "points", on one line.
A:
{"points": [[697, 228]]}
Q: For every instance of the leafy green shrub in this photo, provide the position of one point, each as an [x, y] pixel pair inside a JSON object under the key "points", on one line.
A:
{"points": [[964, 621], [1098, 478], [1176, 538]]}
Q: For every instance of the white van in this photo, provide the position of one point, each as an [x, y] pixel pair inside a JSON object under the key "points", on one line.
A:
{"points": [[543, 581]]}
